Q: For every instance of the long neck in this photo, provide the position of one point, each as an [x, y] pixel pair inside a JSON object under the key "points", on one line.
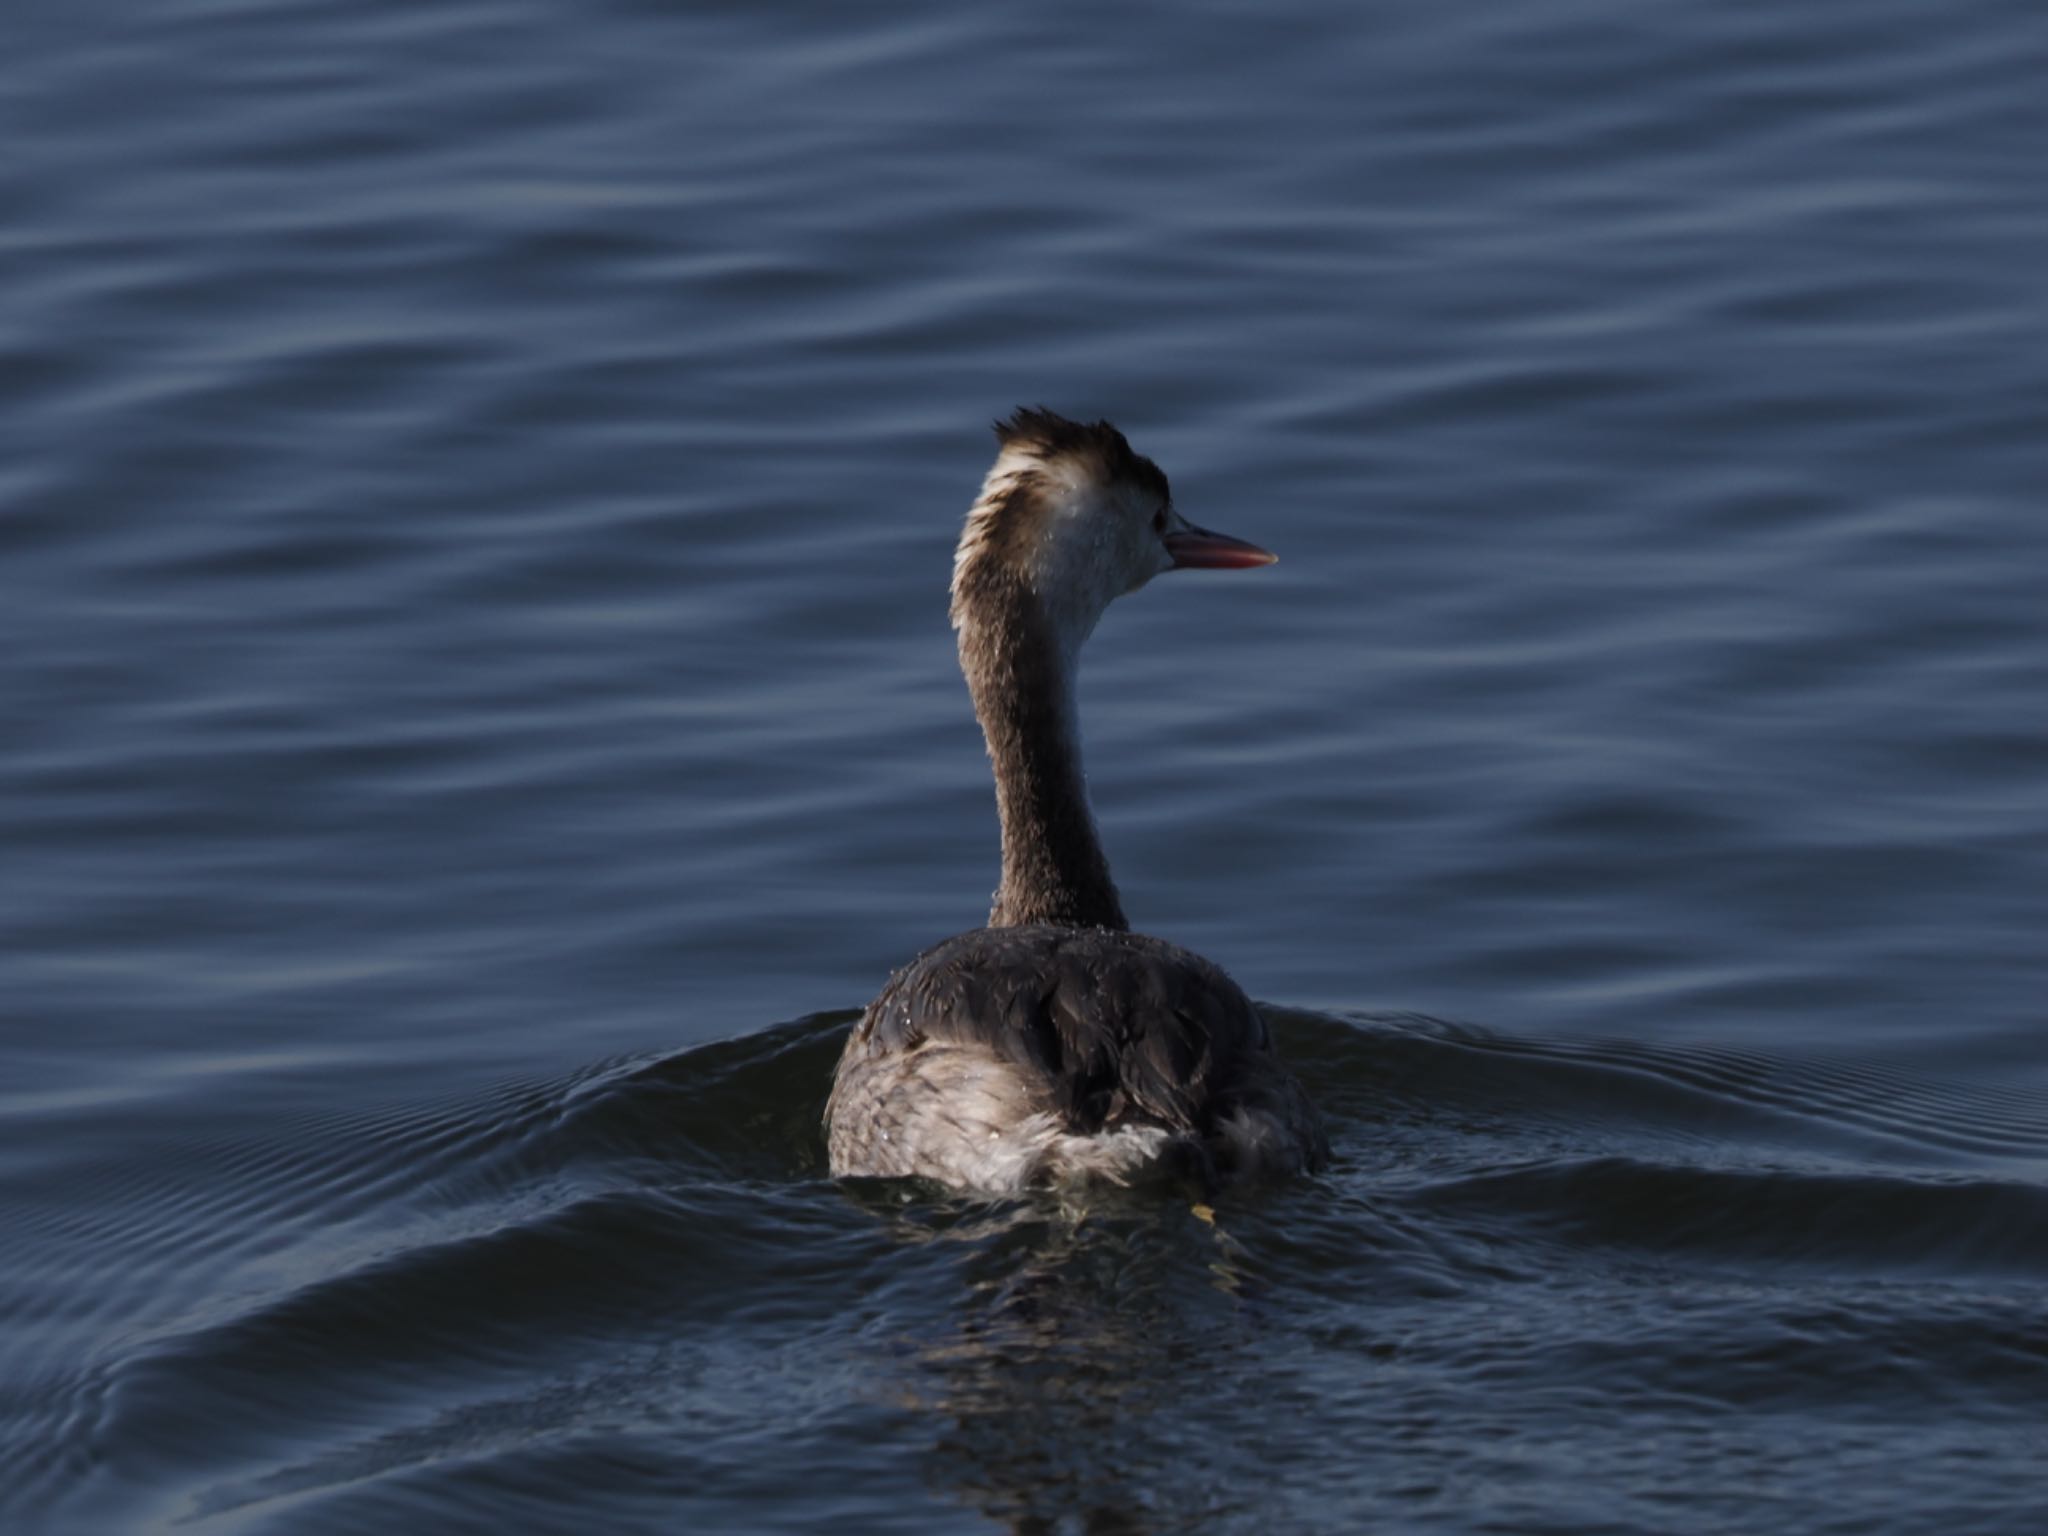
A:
{"points": [[1053, 867]]}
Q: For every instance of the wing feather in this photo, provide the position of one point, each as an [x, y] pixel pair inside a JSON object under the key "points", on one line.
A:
{"points": [[1106, 1027]]}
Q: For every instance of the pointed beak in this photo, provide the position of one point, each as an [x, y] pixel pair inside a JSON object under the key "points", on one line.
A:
{"points": [[1198, 549]]}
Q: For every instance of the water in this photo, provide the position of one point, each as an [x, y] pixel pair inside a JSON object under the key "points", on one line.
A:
{"points": [[476, 488]]}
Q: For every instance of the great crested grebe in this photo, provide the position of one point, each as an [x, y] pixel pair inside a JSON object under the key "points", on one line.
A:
{"points": [[1056, 1044]]}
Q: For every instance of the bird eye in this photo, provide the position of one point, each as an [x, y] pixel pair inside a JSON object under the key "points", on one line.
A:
{"points": [[1159, 521]]}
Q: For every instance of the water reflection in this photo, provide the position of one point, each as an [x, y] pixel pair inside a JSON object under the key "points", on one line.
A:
{"points": [[1082, 1359]]}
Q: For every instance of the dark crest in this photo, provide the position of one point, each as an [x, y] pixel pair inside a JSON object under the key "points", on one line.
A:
{"points": [[1050, 436]]}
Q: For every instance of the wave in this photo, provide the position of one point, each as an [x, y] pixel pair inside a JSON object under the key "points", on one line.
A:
{"points": [[359, 1294]]}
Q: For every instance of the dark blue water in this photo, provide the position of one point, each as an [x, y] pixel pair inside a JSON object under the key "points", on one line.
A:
{"points": [[477, 483]]}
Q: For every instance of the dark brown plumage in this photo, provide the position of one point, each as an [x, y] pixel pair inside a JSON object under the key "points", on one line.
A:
{"points": [[1107, 452], [1055, 1044], [1054, 870]]}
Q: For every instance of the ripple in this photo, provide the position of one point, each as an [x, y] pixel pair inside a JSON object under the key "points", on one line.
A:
{"points": [[1743, 1218], [1847, 1111], [396, 1288], [478, 483]]}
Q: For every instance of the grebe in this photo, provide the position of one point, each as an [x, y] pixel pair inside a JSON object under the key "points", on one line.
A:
{"points": [[1055, 1044]]}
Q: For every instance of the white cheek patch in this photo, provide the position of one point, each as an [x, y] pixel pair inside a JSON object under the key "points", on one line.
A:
{"points": [[1083, 560], [1078, 571]]}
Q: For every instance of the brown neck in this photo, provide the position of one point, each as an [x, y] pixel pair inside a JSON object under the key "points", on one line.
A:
{"points": [[1053, 867]]}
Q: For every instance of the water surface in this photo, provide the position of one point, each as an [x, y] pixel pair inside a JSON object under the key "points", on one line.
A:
{"points": [[476, 488]]}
